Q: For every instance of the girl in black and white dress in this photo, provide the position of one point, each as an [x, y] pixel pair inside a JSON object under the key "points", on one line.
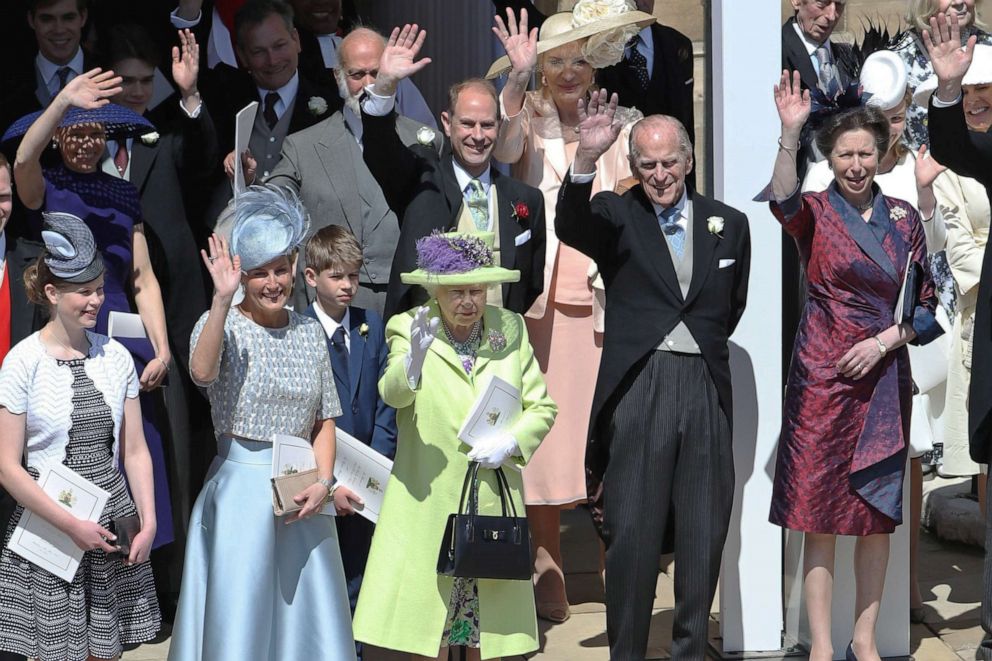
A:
{"points": [[69, 396]]}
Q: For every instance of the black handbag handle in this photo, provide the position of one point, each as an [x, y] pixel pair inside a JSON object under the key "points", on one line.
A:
{"points": [[470, 487]]}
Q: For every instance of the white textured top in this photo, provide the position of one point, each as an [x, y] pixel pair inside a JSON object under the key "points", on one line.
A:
{"points": [[271, 380], [40, 386]]}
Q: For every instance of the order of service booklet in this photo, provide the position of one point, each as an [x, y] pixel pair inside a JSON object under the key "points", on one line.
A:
{"points": [[496, 409], [356, 466], [38, 541]]}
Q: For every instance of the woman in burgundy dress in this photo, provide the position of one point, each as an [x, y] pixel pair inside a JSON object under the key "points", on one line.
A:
{"points": [[842, 452]]}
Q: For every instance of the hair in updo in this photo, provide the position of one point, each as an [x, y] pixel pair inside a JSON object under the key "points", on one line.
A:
{"points": [[37, 276], [865, 117]]}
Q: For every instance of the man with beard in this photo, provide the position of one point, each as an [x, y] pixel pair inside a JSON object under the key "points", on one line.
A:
{"points": [[324, 165]]}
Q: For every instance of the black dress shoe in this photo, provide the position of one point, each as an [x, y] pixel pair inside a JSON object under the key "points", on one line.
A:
{"points": [[849, 655]]}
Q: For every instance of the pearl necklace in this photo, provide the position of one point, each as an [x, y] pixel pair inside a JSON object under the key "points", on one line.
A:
{"points": [[466, 350]]}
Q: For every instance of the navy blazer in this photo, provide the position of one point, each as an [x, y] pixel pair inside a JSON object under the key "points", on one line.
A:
{"points": [[364, 415]]}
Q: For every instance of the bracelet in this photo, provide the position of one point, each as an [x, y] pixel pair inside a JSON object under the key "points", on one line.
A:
{"points": [[331, 485], [881, 346], [781, 146], [165, 364]]}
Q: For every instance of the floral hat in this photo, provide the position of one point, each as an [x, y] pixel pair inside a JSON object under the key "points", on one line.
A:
{"points": [[608, 24], [456, 258], [118, 121]]}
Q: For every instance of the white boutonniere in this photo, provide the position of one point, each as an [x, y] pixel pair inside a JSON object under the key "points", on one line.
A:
{"points": [[363, 330], [317, 105], [150, 138], [897, 213], [425, 135], [715, 225]]}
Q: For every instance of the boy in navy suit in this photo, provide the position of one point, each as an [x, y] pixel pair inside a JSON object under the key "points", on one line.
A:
{"points": [[356, 339]]}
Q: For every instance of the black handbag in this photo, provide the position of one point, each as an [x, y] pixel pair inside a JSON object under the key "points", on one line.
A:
{"points": [[477, 546]]}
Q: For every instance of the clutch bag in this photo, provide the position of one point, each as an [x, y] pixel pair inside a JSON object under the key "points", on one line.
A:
{"points": [[125, 529], [285, 487], [478, 546]]}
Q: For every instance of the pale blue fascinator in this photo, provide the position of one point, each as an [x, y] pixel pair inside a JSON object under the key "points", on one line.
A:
{"points": [[264, 222]]}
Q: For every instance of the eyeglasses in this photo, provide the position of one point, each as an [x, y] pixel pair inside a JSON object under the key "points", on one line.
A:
{"points": [[558, 64]]}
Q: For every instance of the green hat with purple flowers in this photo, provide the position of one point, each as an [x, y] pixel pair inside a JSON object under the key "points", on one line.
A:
{"points": [[458, 258]]}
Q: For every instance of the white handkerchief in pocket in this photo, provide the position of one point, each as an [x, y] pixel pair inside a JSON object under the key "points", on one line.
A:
{"points": [[522, 238], [724, 263]]}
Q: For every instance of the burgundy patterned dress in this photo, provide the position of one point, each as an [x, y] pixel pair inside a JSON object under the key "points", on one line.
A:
{"points": [[842, 452]]}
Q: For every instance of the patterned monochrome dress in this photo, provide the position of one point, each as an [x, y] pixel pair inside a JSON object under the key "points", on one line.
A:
{"points": [[107, 605]]}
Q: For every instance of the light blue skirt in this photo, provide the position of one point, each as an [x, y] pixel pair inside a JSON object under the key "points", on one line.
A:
{"points": [[255, 589]]}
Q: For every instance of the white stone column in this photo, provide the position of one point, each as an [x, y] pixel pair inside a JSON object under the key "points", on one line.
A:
{"points": [[746, 55]]}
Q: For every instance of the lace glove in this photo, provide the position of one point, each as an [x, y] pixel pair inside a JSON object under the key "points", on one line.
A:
{"points": [[495, 452], [422, 334]]}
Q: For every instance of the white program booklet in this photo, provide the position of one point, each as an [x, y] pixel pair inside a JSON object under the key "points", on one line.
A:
{"points": [[244, 121], [44, 545], [125, 324], [496, 409], [364, 471], [291, 454]]}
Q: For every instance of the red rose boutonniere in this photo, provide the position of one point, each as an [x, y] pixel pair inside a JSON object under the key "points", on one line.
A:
{"points": [[521, 212]]}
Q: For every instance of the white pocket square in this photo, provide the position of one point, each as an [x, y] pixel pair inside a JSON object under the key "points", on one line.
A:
{"points": [[689, 82], [724, 263], [522, 238]]}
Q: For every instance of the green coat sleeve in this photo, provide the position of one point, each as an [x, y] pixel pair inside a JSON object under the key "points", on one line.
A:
{"points": [[393, 386], [538, 409]]}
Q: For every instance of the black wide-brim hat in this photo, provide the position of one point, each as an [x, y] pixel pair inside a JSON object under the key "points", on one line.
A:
{"points": [[117, 121]]}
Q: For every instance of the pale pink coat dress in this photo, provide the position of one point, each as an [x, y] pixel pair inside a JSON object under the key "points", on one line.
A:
{"points": [[566, 322]]}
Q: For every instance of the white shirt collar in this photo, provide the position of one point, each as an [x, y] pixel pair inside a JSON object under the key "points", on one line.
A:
{"points": [[681, 205], [464, 178], [330, 325], [49, 70], [810, 45], [287, 94], [329, 44]]}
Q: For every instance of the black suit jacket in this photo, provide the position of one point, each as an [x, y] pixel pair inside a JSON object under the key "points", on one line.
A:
{"points": [[795, 57], [670, 89], [166, 175], [227, 90], [970, 155], [423, 192], [644, 299]]}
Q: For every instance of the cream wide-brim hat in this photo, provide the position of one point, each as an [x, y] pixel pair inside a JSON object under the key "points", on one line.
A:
{"points": [[559, 29], [979, 73]]}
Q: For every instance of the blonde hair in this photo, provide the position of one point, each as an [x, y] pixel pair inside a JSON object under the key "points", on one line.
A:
{"points": [[36, 277], [919, 13]]}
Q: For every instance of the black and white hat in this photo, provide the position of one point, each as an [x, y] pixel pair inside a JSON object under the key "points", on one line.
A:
{"points": [[70, 251]]}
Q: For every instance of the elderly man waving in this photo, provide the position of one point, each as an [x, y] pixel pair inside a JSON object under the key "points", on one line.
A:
{"points": [[675, 265]]}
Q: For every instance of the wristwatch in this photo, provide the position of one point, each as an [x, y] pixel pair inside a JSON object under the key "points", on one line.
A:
{"points": [[330, 485], [881, 346]]}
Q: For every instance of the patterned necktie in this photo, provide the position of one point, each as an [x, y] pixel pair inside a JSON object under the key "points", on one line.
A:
{"points": [[638, 62], [829, 80], [340, 349], [121, 157], [63, 74], [478, 204], [269, 113], [674, 232]]}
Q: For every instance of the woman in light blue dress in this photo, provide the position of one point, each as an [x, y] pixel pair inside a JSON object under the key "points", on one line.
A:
{"points": [[257, 587]]}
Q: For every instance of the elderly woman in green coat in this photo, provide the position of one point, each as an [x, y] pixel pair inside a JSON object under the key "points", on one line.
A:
{"points": [[441, 357]]}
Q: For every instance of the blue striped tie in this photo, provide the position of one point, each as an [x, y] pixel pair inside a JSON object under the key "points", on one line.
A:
{"points": [[674, 232]]}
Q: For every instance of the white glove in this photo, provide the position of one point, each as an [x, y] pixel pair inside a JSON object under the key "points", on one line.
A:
{"points": [[422, 334], [493, 453]]}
